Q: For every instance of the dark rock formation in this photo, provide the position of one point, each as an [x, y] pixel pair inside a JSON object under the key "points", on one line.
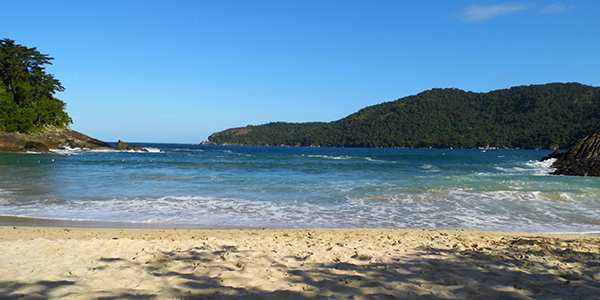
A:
{"points": [[556, 154], [124, 146], [52, 138], [581, 159], [36, 147], [582, 167], [69, 144], [138, 148]]}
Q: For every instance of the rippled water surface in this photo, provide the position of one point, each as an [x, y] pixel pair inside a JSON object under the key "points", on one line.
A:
{"points": [[505, 190]]}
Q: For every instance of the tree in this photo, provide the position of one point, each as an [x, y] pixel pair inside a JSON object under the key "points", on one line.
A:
{"points": [[27, 92]]}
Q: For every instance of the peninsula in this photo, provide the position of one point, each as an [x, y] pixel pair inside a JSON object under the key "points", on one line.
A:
{"points": [[31, 117], [549, 116]]}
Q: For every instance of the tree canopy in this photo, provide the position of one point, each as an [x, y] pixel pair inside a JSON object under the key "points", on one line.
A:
{"points": [[531, 117], [27, 101]]}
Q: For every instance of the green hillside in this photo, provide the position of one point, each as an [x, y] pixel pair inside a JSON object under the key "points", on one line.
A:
{"points": [[531, 117], [27, 101]]}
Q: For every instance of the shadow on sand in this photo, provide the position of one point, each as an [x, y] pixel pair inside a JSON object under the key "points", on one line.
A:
{"points": [[514, 272]]}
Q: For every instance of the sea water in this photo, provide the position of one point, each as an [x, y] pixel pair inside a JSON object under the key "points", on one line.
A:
{"points": [[286, 187]]}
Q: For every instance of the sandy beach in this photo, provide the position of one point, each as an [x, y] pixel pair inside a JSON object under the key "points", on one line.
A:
{"points": [[94, 263]]}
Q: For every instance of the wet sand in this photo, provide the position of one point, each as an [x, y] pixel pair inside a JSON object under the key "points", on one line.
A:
{"points": [[134, 263]]}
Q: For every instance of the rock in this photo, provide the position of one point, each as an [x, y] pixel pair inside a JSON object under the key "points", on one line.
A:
{"points": [[36, 147], [138, 148], [52, 137], [581, 159], [556, 154], [124, 146], [68, 144], [581, 167]]}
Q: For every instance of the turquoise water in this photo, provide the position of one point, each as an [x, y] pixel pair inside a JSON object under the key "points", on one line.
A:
{"points": [[206, 186]]}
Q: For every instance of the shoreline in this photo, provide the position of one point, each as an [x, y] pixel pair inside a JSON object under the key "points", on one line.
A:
{"points": [[132, 263], [53, 223], [7, 221]]}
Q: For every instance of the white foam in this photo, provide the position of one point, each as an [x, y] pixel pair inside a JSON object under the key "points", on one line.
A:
{"points": [[541, 167], [331, 157], [451, 208], [367, 195], [536, 168], [77, 151], [378, 160], [153, 150]]}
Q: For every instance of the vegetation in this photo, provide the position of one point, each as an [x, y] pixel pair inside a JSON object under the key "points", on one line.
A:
{"points": [[529, 117], [27, 101]]}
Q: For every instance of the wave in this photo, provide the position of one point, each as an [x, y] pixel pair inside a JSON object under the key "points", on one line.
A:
{"points": [[532, 167], [330, 157], [451, 208], [302, 187], [346, 157], [78, 151]]}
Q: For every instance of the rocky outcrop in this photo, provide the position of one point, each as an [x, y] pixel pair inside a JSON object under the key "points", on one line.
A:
{"points": [[36, 147], [556, 154], [583, 167], [69, 144], [50, 138], [581, 159], [124, 146]]}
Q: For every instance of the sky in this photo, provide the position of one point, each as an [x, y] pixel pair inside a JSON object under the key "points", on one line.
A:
{"points": [[177, 71]]}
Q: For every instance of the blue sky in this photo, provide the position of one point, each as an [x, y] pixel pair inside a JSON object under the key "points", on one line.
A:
{"points": [[177, 71]]}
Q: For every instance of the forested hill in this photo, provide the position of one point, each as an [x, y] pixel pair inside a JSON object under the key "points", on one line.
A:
{"points": [[31, 117], [531, 117], [27, 101]]}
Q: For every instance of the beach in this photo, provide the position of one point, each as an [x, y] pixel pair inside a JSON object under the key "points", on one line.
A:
{"points": [[137, 263]]}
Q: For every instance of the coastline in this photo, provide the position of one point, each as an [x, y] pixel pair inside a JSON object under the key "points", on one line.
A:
{"points": [[48, 138], [11, 221], [132, 263], [53, 223]]}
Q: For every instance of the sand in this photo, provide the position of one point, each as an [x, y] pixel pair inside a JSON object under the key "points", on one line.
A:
{"points": [[93, 263]]}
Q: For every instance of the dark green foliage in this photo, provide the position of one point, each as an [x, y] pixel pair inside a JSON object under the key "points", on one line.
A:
{"points": [[530, 117], [27, 101]]}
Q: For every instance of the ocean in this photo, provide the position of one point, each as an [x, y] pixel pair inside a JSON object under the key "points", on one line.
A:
{"points": [[196, 186]]}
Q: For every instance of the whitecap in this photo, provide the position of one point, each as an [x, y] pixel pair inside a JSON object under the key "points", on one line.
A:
{"points": [[331, 157]]}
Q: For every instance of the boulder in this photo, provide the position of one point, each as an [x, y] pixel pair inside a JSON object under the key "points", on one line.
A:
{"points": [[556, 154], [138, 148], [36, 147], [68, 144], [124, 146], [581, 159]]}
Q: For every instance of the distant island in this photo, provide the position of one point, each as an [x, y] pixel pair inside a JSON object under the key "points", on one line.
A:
{"points": [[549, 116]]}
